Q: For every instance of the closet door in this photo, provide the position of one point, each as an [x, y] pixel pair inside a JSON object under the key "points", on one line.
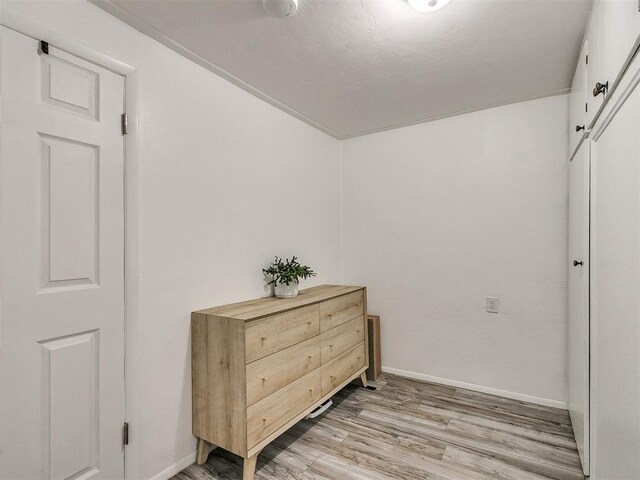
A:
{"points": [[578, 377], [615, 290], [613, 34]]}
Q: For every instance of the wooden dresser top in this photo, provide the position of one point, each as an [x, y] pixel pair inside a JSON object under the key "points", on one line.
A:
{"points": [[263, 307]]}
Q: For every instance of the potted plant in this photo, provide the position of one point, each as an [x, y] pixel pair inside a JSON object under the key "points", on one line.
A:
{"points": [[285, 275]]}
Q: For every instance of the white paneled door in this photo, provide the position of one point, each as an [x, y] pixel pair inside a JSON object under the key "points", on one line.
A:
{"points": [[579, 300], [615, 292], [62, 265]]}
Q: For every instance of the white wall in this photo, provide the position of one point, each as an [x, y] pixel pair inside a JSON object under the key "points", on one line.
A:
{"points": [[225, 181], [440, 215]]}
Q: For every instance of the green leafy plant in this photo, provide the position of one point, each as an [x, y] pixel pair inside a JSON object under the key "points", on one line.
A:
{"points": [[285, 272]]}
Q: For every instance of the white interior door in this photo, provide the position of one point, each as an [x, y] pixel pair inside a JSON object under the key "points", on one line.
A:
{"points": [[578, 375], [615, 296], [62, 265]]}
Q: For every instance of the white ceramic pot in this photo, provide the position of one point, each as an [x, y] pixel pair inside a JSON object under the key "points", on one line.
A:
{"points": [[287, 291]]}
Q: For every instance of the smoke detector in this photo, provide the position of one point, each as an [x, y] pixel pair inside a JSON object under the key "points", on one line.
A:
{"points": [[280, 8]]}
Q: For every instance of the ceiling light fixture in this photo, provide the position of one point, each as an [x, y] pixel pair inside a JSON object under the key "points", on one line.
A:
{"points": [[427, 5], [281, 8]]}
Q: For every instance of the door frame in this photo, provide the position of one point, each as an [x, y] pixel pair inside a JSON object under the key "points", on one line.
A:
{"points": [[131, 157]]}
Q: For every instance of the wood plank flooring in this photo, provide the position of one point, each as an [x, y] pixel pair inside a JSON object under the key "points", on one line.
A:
{"points": [[408, 429]]}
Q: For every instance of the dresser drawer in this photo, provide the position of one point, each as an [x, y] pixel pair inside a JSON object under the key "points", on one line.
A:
{"points": [[272, 412], [340, 310], [272, 334], [340, 369], [271, 373], [340, 339]]}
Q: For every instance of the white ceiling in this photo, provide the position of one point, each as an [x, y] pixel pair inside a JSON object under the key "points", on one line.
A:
{"points": [[351, 67]]}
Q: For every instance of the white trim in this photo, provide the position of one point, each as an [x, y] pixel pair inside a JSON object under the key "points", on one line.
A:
{"points": [[132, 275], [547, 402], [27, 26], [35, 30], [177, 467], [585, 137]]}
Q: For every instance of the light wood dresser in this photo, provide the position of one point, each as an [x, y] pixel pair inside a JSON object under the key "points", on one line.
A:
{"points": [[260, 366]]}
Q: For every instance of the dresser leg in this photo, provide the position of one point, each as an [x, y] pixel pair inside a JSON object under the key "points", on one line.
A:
{"points": [[204, 449], [249, 469], [363, 378]]}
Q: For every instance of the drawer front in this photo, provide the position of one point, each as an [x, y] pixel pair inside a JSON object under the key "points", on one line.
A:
{"points": [[272, 334], [340, 369], [271, 413], [271, 373], [339, 310], [342, 338]]}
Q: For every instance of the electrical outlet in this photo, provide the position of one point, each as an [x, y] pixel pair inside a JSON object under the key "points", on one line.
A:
{"points": [[492, 304]]}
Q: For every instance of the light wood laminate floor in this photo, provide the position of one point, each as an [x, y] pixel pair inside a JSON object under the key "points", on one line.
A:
{"points": [[408, 429]]}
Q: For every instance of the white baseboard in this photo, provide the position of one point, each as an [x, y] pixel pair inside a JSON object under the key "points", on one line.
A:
{"points": [[171, 470], [477, 388]]}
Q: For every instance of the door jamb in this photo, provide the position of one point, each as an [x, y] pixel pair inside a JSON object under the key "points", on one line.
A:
{"points": [[130, 73]]}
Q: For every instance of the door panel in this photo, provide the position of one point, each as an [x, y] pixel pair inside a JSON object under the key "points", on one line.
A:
{"points": [[69, 405], [615, 295], [62, 256], [70, 87], [578, 375], [70, 177]]}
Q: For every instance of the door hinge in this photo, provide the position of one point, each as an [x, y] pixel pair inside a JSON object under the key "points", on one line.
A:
{"points": [[125, 434], [124, 123], [43, 47]]}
